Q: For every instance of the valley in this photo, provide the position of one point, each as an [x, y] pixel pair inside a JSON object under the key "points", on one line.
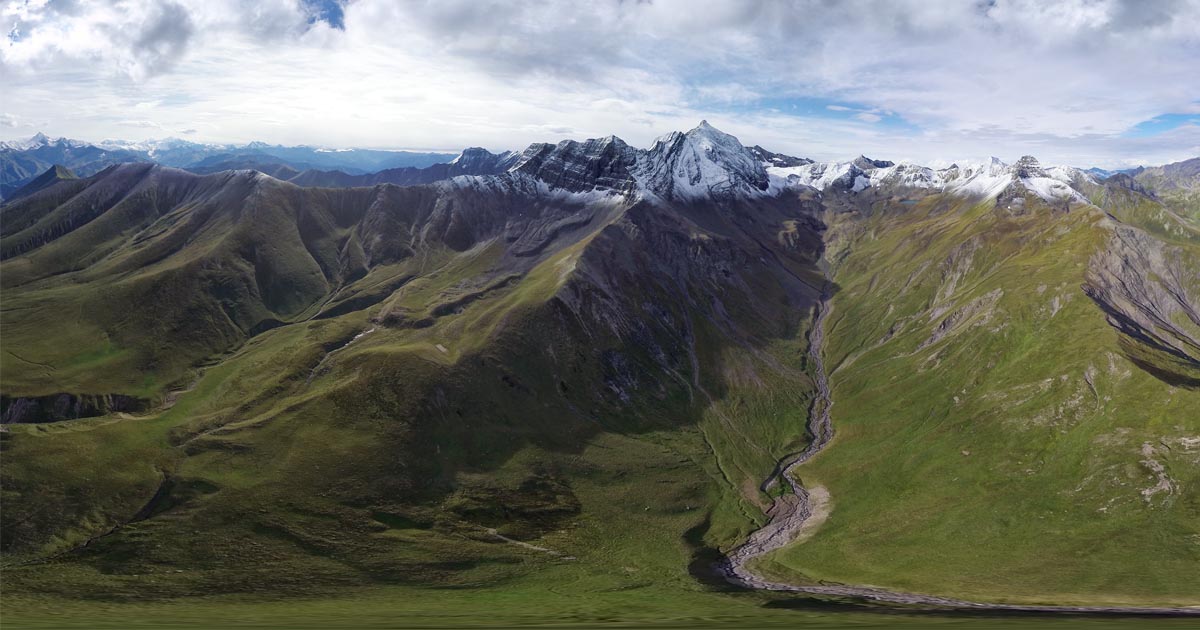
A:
{"points": [[601, 380]]}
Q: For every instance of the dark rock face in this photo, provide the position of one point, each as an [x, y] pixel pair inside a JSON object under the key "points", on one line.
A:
{"points": [[1152, 298], [777, 159], [480, 161], [605, 163], [59, 407], [865, 163], [1127, 182], [1028, 166]]}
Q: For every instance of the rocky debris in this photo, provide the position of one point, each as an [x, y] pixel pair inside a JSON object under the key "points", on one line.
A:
{"points": [[1163, 482], [1151, 294], [983, 306], [955, 268], [790, 512], [59, 407]]}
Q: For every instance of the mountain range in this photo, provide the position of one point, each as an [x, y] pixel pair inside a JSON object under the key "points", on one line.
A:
{"points": [[21, 161], [625, 376]]}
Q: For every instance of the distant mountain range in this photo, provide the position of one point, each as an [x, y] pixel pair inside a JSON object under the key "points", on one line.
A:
{"points": [[22, 161]]}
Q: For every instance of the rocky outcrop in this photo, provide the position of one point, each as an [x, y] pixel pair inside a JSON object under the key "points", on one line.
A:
{"points": [[605, 163], [769, 158], [1151, 294], [865, 163], [59, 407]]}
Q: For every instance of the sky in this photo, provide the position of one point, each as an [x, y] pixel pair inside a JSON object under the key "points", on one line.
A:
{"points": [[1106, 83]]}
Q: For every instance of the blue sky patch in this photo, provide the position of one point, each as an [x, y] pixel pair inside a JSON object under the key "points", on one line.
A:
{"points": [[1161, 124], [329, 11]]}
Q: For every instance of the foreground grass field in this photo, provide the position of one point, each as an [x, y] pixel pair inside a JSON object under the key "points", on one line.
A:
{"points": [[556, 598]]}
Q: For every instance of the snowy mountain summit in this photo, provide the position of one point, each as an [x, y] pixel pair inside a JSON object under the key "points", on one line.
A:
{"points": [[992, 179], [702, 163], [706, 163]]}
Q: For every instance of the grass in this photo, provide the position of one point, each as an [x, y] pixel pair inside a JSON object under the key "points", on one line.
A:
{"points": [[304, 479], [985, 465], [386, 465]]}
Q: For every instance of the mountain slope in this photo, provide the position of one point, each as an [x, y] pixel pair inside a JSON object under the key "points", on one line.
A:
{"points": [[52, 176], [1015, 402], [1178, 184], [480, 353], [601, 352]]}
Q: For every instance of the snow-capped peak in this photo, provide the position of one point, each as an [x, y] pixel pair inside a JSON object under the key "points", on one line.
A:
{"points": [[1026, 174], [38, 140], [988, 179], [704, 162], [699, 164]]}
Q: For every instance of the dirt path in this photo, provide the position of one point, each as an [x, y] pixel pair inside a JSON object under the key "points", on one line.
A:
{"points": [[790, 516]]}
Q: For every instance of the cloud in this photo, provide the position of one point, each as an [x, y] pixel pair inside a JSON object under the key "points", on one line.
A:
{"points": [[908, 77], [162, 41], [140, 124]]}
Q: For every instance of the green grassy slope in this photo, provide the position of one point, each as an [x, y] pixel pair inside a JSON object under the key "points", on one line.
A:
{"points": [[995, 440], [615, 397]]}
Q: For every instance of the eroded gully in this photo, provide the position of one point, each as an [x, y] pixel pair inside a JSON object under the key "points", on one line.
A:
{"points": [[791, 510]]}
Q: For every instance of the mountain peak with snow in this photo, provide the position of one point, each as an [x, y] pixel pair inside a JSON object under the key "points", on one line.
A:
{"points": [[704, 162], [993, 179], [707, 163]]}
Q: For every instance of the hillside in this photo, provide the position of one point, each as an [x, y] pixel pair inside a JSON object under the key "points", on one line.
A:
{"points": [[578, 369], [1177, 184]]}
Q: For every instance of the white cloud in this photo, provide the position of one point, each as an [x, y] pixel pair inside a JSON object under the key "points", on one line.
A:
{"points": [[1062, 80]]}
